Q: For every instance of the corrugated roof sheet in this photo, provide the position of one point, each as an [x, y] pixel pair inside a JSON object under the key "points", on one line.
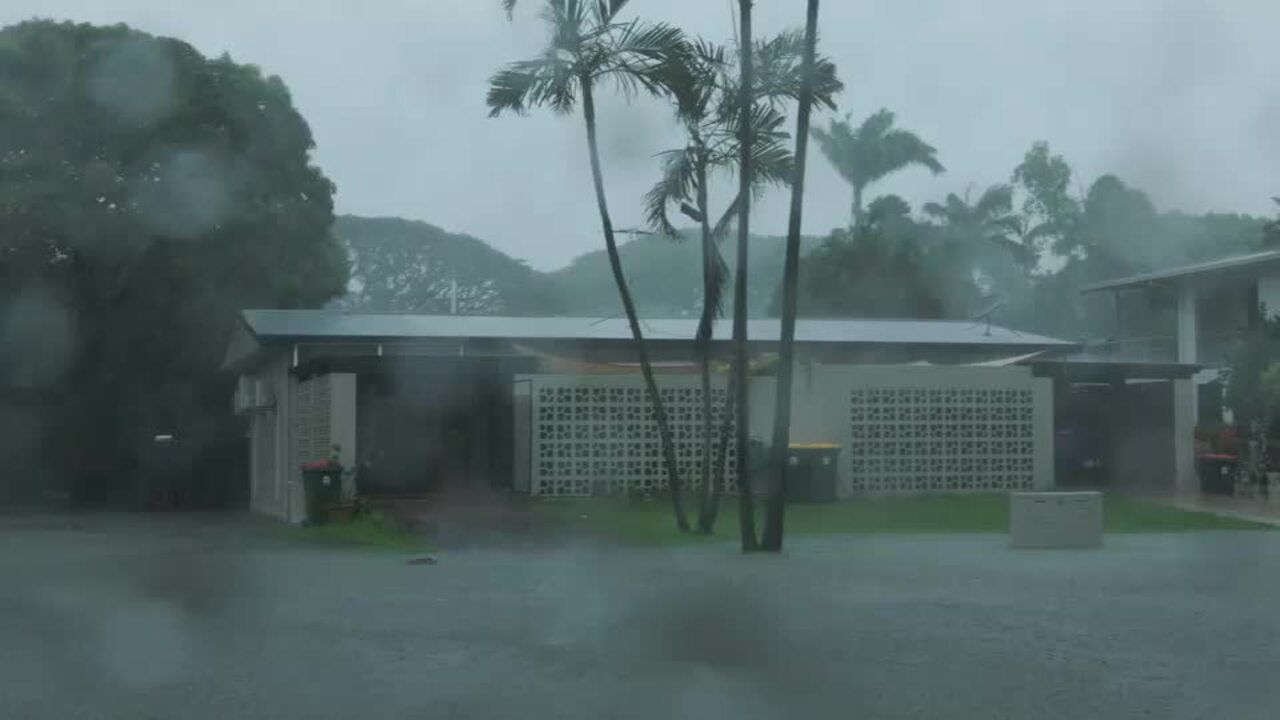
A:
{"points": [[1237, 262], [326, 324]]}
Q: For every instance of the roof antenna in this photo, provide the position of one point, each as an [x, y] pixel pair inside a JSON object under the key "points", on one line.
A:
{"points": [[985, 316]]}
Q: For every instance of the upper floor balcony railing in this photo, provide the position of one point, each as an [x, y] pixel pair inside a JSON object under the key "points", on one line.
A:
{"points": [[1212, 349], [1156, 349]]}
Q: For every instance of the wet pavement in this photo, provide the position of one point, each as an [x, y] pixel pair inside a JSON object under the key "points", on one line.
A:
{"points": [[206, 617]]}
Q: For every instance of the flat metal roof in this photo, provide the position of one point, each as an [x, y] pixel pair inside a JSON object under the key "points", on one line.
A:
{"points": [[295, 325], [1227, 264]]}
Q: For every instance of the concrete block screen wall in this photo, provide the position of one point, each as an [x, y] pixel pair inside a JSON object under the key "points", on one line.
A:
{"points": [[596, 434], [916, 438], [901, 429]]}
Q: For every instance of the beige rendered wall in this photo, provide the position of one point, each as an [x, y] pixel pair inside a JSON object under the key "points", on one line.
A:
{"points": [[269, 441], [342, 424]]}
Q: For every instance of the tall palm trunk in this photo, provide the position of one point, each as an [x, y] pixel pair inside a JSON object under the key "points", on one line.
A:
{"points": [[628, 307], [746, 505], [776, 512], [710, 480], [722, 449], [855, 213]]}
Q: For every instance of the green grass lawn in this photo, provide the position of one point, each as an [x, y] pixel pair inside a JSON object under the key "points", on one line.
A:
{"points": [[371, 530], [651, 523]]}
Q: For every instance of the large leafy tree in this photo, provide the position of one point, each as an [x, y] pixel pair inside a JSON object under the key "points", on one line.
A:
{"points": [[707, 104], [877, 271], [1122, 230], [872, 151], [1051, 212], [409, 266], [589, 45], [146, 194]]}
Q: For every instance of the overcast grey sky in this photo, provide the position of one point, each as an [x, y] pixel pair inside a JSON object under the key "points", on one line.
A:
{"points": [[1179, 97]]}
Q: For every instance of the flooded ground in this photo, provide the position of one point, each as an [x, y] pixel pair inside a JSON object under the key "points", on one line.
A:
{"points": [[218, 617]]}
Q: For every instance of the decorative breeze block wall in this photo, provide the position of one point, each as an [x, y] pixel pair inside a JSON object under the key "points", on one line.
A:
{"points": [[311, 420], [910, 439], [597, 435]]}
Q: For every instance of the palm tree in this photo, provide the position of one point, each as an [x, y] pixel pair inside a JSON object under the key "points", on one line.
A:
{"points": [[707, 108], [872, 151], [776, 502], [988, 223], [589, 45], [985, 236], [746, 144]]}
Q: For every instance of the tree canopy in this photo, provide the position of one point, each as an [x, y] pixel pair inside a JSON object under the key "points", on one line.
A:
{"points": [[147, 193], [871, 272]]}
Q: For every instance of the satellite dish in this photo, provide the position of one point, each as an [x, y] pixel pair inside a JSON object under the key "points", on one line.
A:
{"points": [[985, 316], [991, 310]]}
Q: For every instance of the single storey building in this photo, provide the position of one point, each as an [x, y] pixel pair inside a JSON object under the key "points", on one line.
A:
{"points": [[555, 406]]}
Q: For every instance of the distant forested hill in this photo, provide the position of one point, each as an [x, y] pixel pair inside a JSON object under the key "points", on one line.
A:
{"points": [[410, 266], [666, 277]]}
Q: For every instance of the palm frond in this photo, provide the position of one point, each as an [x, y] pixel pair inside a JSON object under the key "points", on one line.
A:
{"points": [[708, 54], [549, 81], [698, 81], [876, 125], [837, 143], [509, 7], [677, 184], [643, 56], [567, 24], [780, 71], [607, 10], [509, 89], [773, 163], [901, 148]]}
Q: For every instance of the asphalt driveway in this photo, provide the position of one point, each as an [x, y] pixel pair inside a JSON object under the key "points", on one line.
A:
{"points": [[223, 617]]}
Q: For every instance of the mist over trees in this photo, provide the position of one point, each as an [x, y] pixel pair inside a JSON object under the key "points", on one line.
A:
{"points": [[1030, 244]]}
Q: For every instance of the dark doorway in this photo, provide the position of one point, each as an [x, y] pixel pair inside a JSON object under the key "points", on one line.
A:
{"points": [[1081, 447], [1115, 435], [429, 425]]}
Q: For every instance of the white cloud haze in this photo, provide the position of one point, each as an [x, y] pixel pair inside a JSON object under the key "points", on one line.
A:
{"points": [[1177, 97]]}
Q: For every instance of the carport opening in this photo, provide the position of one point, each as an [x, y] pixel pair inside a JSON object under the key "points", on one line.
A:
{"points": [[1115, 436], [1115, 423], [430, 426]]}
